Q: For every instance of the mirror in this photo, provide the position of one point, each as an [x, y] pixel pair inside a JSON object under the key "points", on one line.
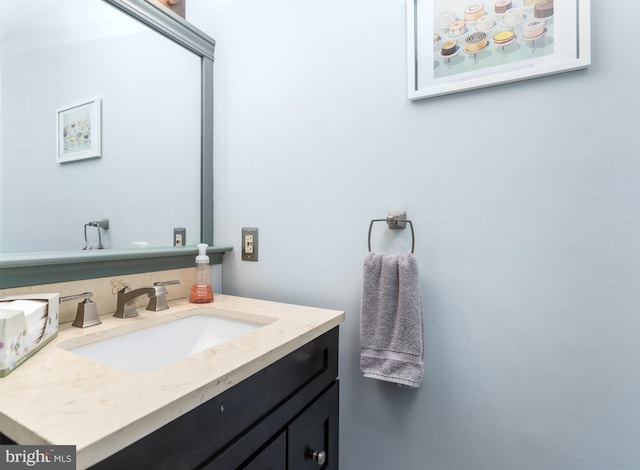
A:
{"points": [[128, 182], [146, 181]]}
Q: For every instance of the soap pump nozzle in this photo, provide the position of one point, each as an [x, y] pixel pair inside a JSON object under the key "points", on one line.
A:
{"points": [[202, 253]]}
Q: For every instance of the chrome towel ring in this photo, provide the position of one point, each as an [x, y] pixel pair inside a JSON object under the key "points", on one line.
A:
{"points": [[98, 224], [395, 220]]}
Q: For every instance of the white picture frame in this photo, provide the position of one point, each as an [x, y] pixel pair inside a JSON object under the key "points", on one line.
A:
{"points": [[564, 45], [79, 131]]}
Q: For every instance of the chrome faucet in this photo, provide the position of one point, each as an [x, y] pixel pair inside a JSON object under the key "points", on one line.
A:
{"points": [[126, 303]]}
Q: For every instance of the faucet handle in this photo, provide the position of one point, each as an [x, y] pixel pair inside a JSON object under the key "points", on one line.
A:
{"points": [[158, 302], [166, 283], [84, 295], [126, 287], [87, 312]]}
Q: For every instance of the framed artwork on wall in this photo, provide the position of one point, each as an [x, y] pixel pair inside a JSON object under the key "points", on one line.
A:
{"points": [[79, 131], [459, 45]]}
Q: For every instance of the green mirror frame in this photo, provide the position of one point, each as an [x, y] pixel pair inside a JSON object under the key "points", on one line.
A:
{"points": [[24, 269]]}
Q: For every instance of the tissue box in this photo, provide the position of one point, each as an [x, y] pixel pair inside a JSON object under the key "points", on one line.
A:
{"points": [[23, 329]]}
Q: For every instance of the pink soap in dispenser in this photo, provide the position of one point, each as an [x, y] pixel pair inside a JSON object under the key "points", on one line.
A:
{"points": [[201, 292]]}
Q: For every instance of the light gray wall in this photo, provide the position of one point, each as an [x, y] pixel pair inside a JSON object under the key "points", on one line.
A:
{"points": [[525, 200]]}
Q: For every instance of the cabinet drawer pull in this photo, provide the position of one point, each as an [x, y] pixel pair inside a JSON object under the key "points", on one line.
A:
{"points": [[319, 456]]}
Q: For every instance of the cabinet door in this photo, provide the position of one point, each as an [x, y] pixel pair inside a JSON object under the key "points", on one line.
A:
{"points": [[313, 435], [272, 457]]}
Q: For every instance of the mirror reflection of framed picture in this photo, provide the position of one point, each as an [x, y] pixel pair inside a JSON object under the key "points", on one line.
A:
{"points": [[458, 45], [79, 131]]}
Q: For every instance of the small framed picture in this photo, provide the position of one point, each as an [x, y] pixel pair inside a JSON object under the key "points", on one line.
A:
{"points": [[79, 131]]}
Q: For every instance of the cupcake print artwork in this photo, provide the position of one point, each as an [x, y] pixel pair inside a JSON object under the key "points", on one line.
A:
{"points": [[491, 33], [459, 45]]}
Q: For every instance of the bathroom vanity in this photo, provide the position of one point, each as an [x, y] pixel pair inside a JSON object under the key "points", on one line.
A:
{"points": [[265, 399]]}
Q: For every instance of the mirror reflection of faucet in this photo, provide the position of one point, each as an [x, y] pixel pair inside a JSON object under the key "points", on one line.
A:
{"points": [[126, 301]]}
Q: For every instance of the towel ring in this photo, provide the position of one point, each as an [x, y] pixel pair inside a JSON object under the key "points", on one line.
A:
{"points": [[90, 224], [395, 221], [98, 224]]}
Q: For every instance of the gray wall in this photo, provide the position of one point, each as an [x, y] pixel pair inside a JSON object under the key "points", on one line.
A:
{"points": [[525, 200]]}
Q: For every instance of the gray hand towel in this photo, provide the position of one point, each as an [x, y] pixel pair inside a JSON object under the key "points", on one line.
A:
{"points": [[391, 331]]}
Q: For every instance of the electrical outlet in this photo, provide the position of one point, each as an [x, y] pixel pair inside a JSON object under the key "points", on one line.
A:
{"points": [[179, 236], [249, 244]]}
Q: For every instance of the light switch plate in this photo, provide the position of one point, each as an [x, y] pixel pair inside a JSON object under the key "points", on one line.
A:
{"points": [[249, 244]]}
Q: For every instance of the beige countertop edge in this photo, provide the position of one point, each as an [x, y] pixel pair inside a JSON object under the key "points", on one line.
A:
{"points": [[102, 410]]}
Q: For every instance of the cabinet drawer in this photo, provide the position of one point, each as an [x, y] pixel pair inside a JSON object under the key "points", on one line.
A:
{"points": [[256, 397]]}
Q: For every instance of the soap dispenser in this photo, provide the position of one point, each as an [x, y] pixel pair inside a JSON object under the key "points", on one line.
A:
{"points": [[201, 292]]}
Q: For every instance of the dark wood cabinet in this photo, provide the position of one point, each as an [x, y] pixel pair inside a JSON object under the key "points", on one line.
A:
{"points": [[272, 457], [283, 417], [313, 436], [309, 441]]}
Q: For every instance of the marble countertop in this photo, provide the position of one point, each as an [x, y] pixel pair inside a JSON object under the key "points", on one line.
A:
{"points": [[59, 397]]}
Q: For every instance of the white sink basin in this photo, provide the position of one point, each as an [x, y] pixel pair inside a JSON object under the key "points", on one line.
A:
{"points": [[153, 347]]}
